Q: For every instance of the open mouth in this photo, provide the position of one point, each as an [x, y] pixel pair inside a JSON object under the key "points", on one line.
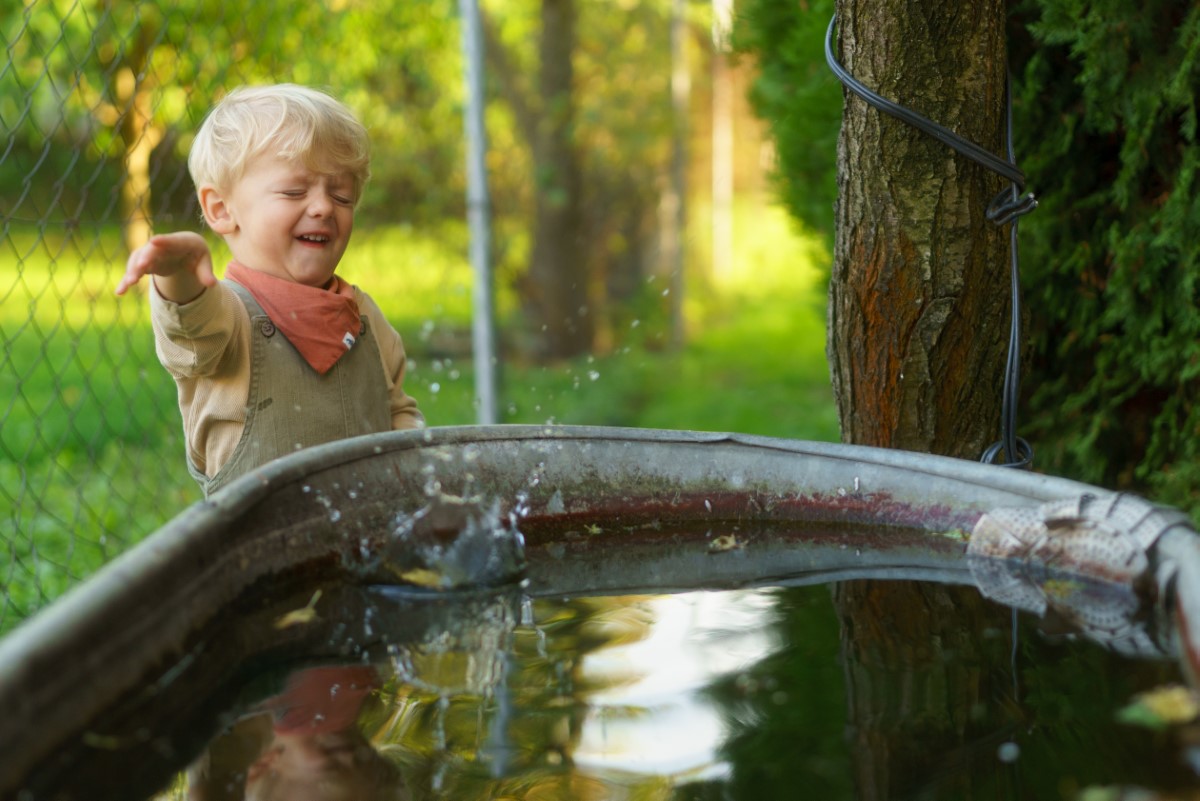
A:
{"points": [[314, 239]]}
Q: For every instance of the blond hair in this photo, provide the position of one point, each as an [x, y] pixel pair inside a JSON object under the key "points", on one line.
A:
{"points": [[295, 123]]}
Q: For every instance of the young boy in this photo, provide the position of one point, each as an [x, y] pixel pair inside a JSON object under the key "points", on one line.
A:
{"points": [[283, 353]]}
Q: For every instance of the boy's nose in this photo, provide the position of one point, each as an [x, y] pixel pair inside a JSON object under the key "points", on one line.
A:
{"points": [[321, 205]]}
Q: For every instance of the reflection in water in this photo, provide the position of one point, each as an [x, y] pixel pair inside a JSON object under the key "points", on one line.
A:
{"points": [[650, 690], [742, 694], [302, 744], [594, 697]]}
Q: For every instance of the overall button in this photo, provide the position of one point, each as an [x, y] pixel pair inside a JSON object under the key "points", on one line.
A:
{"points": [[268, 328]]}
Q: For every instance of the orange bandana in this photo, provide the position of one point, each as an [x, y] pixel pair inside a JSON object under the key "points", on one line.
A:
{"points": [[322, 699], [322, 324]]}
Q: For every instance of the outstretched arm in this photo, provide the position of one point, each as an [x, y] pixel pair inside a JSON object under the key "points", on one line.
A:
{"points": [[180, 263]]}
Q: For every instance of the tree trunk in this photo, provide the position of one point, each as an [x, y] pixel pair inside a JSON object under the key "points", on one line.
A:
{"points": [[132, 87], [674, 207], [140, 136], [918, 322], [919, 297], [722, 142], [558, 297]]}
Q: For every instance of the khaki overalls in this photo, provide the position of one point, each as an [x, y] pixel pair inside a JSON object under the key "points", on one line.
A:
{"points": [[291, 406]]}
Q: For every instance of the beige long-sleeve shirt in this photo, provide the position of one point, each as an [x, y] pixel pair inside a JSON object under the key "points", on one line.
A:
{"points": [[205, 346]]}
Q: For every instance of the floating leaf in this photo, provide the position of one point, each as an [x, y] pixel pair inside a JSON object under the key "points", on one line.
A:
{"points": [[298, 617], [1061, 588], [1162, 707], [103, 742], [422, 577], [725, 542], [1098, 793]]}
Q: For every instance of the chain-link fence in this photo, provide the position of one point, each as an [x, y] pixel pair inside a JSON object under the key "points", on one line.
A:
{"points": [[98, 100]]}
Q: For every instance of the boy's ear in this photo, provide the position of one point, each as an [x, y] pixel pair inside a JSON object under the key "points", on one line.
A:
{"points": [[216, 211]]}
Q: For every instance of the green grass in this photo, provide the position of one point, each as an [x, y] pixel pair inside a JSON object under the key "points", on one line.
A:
{"points": [[91, 451]]}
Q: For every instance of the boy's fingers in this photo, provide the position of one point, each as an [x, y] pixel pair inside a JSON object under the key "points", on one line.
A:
{"points": [[166, 254], [135, 268], [204, 271]]}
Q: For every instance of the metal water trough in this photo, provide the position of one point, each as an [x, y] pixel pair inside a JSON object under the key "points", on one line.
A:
{"points": [[601, 510]]}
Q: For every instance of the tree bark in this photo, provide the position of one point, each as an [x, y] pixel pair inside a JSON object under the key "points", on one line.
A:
{"points": [[918, 324], [558, 295], [918, 307]]}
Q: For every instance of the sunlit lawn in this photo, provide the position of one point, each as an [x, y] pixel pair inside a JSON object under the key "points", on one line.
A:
{"points": [[90, 444]]}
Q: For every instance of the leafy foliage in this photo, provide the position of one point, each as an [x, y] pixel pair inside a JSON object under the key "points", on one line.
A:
{"points": [[1107, 135], [799, 97]]}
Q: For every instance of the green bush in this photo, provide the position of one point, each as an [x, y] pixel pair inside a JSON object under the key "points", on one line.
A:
{"points": [[1106, 117]]}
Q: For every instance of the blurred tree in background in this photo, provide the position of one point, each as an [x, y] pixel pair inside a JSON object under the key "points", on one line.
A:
{"points": [[1105, 119], [590, 137]]}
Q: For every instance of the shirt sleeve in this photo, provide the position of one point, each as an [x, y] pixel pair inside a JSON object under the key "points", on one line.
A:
{"points": [[193, 338], [205, 346], [405, 414]]}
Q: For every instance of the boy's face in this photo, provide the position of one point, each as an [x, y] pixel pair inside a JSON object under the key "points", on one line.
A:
{"points": [[285, 219]]}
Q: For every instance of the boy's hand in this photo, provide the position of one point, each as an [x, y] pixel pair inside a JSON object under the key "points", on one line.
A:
{"points": [[180, 262]]}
